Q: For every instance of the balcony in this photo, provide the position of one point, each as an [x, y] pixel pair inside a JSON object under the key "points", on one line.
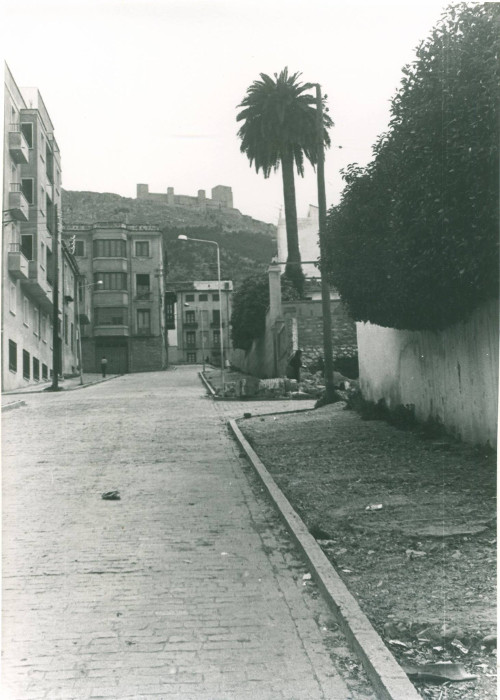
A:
{"points": [[109, 264], [18, 146], [190, 324], [216, 324], [108, 330], [143, 295], [19, 208], [38, 288], [110, 297], [17, 263]]}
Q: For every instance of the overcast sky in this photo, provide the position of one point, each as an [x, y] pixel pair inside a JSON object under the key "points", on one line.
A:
{"points": [[147, 90]]}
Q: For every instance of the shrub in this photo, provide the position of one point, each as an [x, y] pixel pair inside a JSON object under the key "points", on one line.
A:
{"points": [[414, 241]]}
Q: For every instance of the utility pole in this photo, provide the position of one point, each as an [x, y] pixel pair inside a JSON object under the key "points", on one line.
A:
{"points": [[325, 288], [55, 301]]}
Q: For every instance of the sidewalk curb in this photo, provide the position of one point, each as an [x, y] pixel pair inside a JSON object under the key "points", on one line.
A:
{"points": [[387, 677], [14, 404], [207, 384], [97, 381], [74, 388]]}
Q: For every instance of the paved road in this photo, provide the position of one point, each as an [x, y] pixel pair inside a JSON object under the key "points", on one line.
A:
{"points": [[187, 588]]}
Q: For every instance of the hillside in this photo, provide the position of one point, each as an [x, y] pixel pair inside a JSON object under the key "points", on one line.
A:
{"points": [[246, 245]]}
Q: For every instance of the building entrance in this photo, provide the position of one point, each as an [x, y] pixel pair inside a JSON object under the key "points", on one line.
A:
{"points": [[116, 354]]}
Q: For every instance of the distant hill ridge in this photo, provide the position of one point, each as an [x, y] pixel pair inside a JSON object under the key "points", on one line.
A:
{"points": [[246, 245]]}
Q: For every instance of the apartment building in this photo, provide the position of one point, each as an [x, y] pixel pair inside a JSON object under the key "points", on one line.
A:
{"points": [[198, 315], [120, 295], [30, 199]]}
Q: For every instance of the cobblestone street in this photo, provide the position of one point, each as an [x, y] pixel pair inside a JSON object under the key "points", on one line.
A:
{"points": [[188, 587]]}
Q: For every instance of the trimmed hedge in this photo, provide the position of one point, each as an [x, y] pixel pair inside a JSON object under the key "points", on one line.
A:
{"points": [[413, 243]]}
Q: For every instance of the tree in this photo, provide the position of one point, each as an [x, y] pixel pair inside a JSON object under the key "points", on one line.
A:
{"points": [[414, 241], [250, 303], [279, 127]]}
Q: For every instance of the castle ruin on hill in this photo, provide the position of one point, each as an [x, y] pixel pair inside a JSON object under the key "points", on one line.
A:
{"points": [[222, 197]]}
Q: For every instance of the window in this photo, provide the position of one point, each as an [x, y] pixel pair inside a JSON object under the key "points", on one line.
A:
{"points": [[12, 356], [45, 371], [50, 271], [202, 297], [26, 364], [27, 189], [111, 280], [27, 130], [72, 337], [143, 322], [215, 297], [42, 200], [80, 249], [43, 327], [169, 314], [216, 316], [50, 210], [112, 248], [36, 320], [42, 257], [26, 311], [142, 249], [27, 246], [190, 317], [142, 286], [36, 369], [190, 339], [191, 357], [12, 298], [66, 328], [217, 339], [110, 316], [189, 297]]}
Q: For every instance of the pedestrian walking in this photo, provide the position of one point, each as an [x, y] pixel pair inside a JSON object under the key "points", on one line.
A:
{"points": [[294, 365], [104, 364]]}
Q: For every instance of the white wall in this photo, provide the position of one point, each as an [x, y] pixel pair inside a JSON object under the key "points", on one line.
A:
{"points": [[451, 375], [308, 229]]}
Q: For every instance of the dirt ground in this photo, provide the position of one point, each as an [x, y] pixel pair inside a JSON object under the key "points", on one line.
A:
{"points": [[409, 523]]}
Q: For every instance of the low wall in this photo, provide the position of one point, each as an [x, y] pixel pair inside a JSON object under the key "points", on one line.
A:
{"points": [[268, 356], [300, 326], [450, 376]]}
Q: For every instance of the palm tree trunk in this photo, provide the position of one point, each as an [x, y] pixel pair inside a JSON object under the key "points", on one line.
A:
{"points": [[293, 269]]}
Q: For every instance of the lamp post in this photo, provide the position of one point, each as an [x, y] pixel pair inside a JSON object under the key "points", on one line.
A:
{"points": [[325, 288], [79, 345], [202, 240]]}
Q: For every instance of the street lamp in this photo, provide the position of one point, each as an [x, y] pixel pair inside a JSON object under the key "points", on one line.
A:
{"points": [[79, 345], [202, 240]]}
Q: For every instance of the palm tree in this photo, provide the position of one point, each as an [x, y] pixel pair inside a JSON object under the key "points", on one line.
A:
{"points": [[280, 126]]}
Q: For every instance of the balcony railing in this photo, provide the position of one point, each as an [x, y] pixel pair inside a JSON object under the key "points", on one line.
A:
{"points": [[18, 264], [18, 146], [18, 204], [143, 295]]}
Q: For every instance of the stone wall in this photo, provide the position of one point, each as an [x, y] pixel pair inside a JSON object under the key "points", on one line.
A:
{"points": [[301, 326], [309, 315], [450, 376]]}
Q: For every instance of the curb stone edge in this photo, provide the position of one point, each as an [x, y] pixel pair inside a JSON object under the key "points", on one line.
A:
{"points": [[382, 669]]}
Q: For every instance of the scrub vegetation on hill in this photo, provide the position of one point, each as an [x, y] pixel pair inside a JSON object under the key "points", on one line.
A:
{"points": [[246, 245]]}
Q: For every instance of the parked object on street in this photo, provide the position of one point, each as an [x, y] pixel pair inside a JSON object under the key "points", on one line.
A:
{"points": [[111, 496]]}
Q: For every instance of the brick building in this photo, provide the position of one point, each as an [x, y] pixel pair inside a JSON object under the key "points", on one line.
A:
{"points": [[31, 198], [122, 284]]}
